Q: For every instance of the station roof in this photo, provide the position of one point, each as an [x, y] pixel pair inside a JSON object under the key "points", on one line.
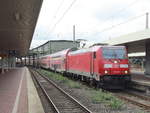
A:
{"points": [[135, 42], [17, 24], [131, 37], [143, 54], [54, 41]]}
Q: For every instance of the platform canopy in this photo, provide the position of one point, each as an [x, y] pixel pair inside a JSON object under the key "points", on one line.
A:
{"points": [[135, 42], [17, 23]]}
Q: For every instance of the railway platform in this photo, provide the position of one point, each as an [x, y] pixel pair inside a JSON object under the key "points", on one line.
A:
{"points": [[140, 80], [18, 93]]}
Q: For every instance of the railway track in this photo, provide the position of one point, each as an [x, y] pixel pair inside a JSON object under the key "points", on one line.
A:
{"points": [[60, 101], [138, 94], [135, 98]]}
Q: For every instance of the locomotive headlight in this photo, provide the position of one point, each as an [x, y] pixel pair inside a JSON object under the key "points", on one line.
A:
{"points": [[115, 62], [107, 65], [106, 72], [126, 72]]}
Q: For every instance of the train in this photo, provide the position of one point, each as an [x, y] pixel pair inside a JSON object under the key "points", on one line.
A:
{"points": [[106, 66]]}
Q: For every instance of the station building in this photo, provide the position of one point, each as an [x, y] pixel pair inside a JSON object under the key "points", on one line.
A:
{"points": [[53, 46], [49, 47]]}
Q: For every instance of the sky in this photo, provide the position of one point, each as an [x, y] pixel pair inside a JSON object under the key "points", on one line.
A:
{"points": [[94, 20]]}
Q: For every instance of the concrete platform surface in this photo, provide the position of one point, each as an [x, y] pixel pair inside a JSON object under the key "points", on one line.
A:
{"points": [[16, 92]]}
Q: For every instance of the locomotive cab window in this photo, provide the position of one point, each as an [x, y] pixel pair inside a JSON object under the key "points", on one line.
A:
{"points": [[114, 53]]}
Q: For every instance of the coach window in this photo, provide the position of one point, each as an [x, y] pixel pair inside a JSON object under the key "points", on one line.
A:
{"points": [[94, 55]]}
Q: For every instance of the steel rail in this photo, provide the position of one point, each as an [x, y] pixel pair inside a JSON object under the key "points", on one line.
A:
{"points": [[65, 93], [45, 93], [142, 95], [135, 102], [123, 97]]}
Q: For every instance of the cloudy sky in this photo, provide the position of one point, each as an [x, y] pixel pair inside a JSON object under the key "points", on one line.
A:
{"points": [[95, 20]]}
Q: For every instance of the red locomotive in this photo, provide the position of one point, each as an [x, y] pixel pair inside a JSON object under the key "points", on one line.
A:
{"points": [[106, 66]]}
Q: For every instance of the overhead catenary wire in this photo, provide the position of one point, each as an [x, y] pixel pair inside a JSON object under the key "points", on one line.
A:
{"points": [[63, 15], [124, 22], [55, 14], [121, 23], [65, 12], [57, 10], [133, 3], [121, 10]]}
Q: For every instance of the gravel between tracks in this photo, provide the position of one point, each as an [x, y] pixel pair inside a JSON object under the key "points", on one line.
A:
{"points": [[82, 94]]}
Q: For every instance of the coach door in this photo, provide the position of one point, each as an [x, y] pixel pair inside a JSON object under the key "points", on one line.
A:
{"points": [[93, 56]]}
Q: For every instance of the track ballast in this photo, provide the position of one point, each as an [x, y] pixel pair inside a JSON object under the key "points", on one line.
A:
{"points": [[60, 101]]}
